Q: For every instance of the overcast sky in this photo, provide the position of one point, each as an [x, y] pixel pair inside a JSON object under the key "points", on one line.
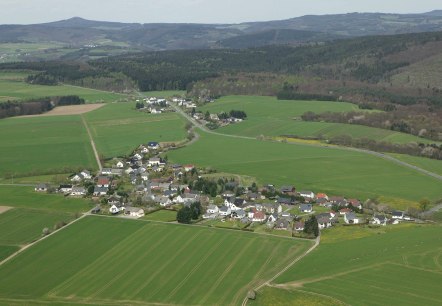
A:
{"points": [[196, 11]]}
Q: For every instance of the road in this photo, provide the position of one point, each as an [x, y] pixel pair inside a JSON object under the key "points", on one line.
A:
{"points": [[97, 157], [377, 154]]}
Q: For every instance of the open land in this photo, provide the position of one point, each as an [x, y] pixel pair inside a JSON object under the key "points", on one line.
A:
{"points": [[69, 110], [205, 266]]}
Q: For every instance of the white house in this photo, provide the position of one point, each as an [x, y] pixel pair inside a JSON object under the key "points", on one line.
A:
{"points": [[134, 212], [350, 218], [324, 223], [272, 218], [78, 191], [138, 156], [86, 174], [114, 209], [379, 220], [106, 171], [144, 150], [41, 188], [65, 188], [154, 161], [397, 215], [165, 201], [225, 211], [308, 195], [77, 178], [306, 208], [188, 168], [119, 164], [212, 209]]}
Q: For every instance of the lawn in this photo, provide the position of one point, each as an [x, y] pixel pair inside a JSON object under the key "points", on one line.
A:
{"points": [[43, 145], [118, 128], [26, 197], [21, 225], [130, 262], [271, 117], [13, 87], [161, 215], [391, 266], [321, 169]]}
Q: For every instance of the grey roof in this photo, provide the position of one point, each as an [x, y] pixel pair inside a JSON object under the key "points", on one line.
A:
{"points": [[305, 207], [350, 216], [397, 213], [282, 223], [224, 209]]}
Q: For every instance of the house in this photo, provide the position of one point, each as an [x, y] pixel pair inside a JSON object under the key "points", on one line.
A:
{"points": [[77, 178], [100, 191], [282, 224], [117, 172], [129, 170], [165, 201], [154, 161], [134, 212], [350, 218], [41, 187], [145, 176], [144, 150], [115, 209], [259, 216], [324, 223], [78, 191], [65, 188], [291, 190], [340, 201], [169, 193], [287, 215], [308, 195], [306, 208], [188, 168], [286, 201], [239, 214], [272, 208], [299, 226], [103, 181], [137, 156], [119, 164], [322, 196], [210, 216], [212, 209], [272, 218], [86, 174], [224, 211], [344, 211], [355, 203], [396, 214], [153, 145], [380, 220], [106, 171], [235, 203]]}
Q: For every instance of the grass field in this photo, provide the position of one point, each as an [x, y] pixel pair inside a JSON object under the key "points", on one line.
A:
{"points": [[13, 87], [7, 250], [37, 145], [161, 215], [26, 197], [118, 128], [432, 165], [321, 169], [271, 117], [144, 263], [21, 225], [395, 266]]}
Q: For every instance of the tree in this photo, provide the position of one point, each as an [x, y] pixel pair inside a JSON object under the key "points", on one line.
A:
{"points": [[196, 209], [423, 204], [311, 226], [251, 295], [184, 215]]}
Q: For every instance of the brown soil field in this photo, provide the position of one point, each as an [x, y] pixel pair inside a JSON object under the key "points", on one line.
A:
{"points": [[69, 110], [4, 208]]}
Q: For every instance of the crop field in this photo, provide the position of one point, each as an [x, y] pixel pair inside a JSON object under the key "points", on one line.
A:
{"points": [[42, 145], [271, 117], [20, 225], [13, 87], [321, 169], [118, 128], [162, 215], [7, 250], [432, 165], [144, 263], [26, 197], [400, 266]]}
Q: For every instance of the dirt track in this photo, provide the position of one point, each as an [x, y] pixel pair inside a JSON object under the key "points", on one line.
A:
{"points": [[4, 208], [69, 110]]}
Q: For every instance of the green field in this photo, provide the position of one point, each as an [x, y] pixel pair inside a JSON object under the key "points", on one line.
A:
{"points": [[164, 93], [40, 145], [7, 250], [21, 225], [26, 197], [161, 215], [432, 165], [400, 266], [321, 169], [141, 262], [118, 128], [271, 117], [13, 87]]}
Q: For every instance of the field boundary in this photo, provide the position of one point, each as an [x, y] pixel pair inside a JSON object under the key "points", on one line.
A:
{"points": [[4, 209], [94, 148]]}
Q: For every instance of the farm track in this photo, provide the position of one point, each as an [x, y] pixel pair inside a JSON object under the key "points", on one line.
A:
{"points": [[377, 154], [94, 148]]}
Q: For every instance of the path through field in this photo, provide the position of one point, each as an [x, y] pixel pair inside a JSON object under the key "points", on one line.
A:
{"points": [[94, 148]]}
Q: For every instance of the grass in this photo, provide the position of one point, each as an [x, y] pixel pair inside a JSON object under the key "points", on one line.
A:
{"points": [[42, 145], [165, 93], [118, 128], [26, 197], [13, 87], [131, 262], [161, 215], [432, 165], [271, 117], [7, 250], [400, 265], [20, 225], [330, 170]]}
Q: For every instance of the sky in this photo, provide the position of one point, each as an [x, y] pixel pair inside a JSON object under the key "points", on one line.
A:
{"points": [[196, 11]]}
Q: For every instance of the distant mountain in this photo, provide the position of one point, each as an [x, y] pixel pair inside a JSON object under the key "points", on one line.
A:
{"points": [[78, 32]]}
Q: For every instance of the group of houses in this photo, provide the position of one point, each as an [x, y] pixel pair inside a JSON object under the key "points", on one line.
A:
{"points": [[154, 105]]}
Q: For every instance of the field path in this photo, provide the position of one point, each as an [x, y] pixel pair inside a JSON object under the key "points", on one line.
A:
{"points": [[377, 154], [97, 157]]}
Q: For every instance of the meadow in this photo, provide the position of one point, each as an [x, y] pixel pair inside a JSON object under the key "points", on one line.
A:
{"points": [[271, 117], [321, 169], [138, 262], [117, 128], [43, 145], [13, 87], [395, 266], [161, 215], [432, 165]]}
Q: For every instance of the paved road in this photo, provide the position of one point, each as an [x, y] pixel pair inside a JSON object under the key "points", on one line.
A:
{"points": [[377, 154], [97, 157]]}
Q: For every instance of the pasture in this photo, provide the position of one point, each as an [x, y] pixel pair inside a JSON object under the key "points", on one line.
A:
{"points": [[117, 128], [20, 225], [44, 145], [13, 87], [161, 215], [432, 165], [136, 262], [321, 169], [271, 117], [397, 266]]}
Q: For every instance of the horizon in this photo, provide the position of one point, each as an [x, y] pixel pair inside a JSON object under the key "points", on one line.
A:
{"points": [[197, 11]]}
